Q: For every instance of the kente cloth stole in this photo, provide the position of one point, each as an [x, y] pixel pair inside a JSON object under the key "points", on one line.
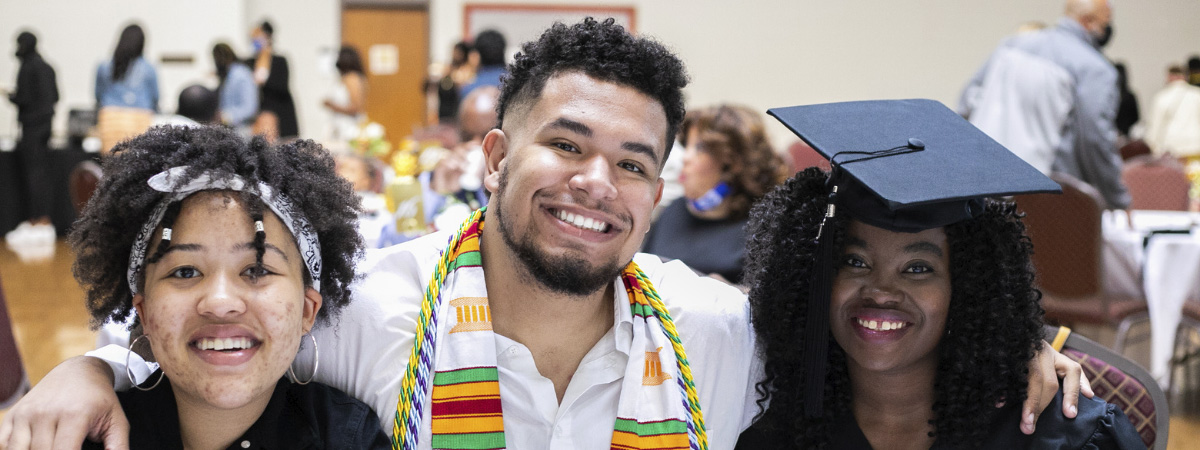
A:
{"points": [[657, 409]]}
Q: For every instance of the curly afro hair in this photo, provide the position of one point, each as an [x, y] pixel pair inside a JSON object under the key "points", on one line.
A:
{"points": [[104, 234], [736, 138], [993, 327], [604, 51]]}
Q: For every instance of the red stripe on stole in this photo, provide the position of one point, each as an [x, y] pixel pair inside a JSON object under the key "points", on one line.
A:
{"points": [[480, 406]]}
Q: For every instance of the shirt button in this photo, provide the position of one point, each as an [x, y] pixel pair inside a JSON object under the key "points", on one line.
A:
{"points": [[558, 431], [245, 444]]}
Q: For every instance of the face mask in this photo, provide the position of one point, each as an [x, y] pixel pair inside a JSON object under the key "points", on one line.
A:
{"points": [[257, 44], [1104, 36]]}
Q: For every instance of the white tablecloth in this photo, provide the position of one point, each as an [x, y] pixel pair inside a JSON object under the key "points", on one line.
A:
{"points": [[1168, 268]]}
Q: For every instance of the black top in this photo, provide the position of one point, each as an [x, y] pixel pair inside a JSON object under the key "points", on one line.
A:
{"points": [[708, 246], [36, 91], [312, 416], [1098, 426], [275, 96]]}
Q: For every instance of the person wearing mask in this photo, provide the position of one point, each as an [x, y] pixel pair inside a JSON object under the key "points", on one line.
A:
{"points": [[1051, 97], [728, 164], [126, 90], [277, 111], [238, 93], [35, 95]]}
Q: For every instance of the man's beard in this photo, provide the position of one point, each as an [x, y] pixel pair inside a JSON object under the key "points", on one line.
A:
{"points": [[560, 274]]}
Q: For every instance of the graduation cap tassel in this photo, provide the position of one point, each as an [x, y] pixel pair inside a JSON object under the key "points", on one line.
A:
{"points": [[816, 330]]}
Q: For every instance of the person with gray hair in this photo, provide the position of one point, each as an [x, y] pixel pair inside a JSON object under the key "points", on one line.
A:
{"points": [[1051, 97]]}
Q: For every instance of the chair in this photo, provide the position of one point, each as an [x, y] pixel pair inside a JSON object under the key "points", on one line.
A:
{"points": [[1134, 149], [1156, 183], [81, 183], [13, 381], [1067, 239], [1119, 381], [804, 157], [1185, 354]]}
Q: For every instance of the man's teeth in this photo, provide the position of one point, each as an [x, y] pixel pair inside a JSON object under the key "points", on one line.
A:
{"points": [[237, 343], [881, 325], [586, 223]]}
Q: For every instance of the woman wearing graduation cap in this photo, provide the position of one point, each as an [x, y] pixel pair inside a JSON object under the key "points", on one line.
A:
{"points": [[923, 282]]}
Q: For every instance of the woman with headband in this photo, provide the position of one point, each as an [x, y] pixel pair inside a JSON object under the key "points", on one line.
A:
{"points": [[228, 252], [893, 298]]}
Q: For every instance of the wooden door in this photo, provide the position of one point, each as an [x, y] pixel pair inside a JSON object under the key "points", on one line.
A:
{"points": [[395, 96]]}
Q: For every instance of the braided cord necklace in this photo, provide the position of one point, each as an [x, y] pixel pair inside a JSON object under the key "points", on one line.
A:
{"points": [[414, 384]]}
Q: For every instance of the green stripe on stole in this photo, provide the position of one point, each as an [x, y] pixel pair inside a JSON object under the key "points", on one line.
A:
{"points": [[468, 441], [671, 426]]}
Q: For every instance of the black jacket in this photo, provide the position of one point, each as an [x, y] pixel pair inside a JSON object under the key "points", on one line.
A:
{"points": [[36, 91]]}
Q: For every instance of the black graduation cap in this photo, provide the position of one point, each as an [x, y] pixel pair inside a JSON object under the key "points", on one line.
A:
{"points": [[901, 165]]}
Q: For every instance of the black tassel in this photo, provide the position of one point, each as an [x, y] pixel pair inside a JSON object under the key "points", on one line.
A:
{"points": [[816, 329]]}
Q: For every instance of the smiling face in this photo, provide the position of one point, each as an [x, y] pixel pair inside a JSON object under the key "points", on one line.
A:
{"points": [[891, 297], [223, 330], [701, 172], [574, 175]]}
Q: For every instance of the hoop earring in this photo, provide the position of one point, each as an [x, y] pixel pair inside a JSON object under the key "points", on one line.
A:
{"points": [[316, 362], [129, 372]]}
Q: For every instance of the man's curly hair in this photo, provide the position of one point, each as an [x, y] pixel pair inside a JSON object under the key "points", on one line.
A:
{"points": [[993, 327], [736, 138], [604, 51], [104, 234]]}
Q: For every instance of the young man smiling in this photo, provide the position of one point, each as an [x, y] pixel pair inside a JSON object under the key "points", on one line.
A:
{"points": [[536, 324]]}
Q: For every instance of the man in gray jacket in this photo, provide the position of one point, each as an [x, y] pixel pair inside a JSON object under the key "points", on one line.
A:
{"points": [[1052, 97]]}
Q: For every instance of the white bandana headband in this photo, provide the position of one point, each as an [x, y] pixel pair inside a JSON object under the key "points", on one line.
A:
{"points": [[168, 181]]}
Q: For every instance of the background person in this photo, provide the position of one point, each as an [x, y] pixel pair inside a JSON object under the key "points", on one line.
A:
{"points": [[238, 93], [224, 307], [126, 90], [728, 164], [277, 111], [35, 95], [349, 101]]}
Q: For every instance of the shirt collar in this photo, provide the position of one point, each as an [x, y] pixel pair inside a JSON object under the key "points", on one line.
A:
{"points": [[622, 318]]}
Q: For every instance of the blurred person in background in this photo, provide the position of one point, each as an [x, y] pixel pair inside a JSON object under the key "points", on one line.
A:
{"points": [[349, 100], [1174, 122], [1128, 112], [35, 94], [126, 90], [728, 165], [238, 93], [491, 46], [277, 111], [454, 187], [442, 90]]}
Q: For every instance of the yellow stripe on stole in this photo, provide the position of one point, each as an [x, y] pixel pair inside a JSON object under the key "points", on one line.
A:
{"points": [[474, 424], [476, 389], [623, 439]]}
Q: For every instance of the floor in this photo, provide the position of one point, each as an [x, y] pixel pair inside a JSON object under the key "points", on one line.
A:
{"points": [[51, 324]]}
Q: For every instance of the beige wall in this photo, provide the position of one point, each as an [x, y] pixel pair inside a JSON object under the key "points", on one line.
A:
{"points": [[767, 53], [763, 53]]}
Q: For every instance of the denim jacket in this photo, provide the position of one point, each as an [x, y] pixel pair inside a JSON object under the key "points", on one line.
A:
{"points": [[138, 89]]}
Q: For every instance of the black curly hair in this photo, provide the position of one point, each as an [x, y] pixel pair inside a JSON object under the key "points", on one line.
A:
{"points": [[604, 51], [104, 234], [993, 327]]}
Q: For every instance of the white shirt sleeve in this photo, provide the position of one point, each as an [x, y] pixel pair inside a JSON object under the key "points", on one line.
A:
{"points": [[116, 357]]}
